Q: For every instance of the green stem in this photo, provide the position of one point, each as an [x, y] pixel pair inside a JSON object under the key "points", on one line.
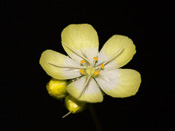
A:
{"points": [[94, 117]]}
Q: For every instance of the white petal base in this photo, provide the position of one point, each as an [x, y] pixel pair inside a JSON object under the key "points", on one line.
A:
{"points": [[120, 82], [90, 93]]}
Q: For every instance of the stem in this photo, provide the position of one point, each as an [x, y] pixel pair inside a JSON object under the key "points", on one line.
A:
{"points": [[67, 114], [94, 117]]}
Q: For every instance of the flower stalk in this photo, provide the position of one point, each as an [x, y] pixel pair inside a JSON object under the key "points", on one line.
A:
{"points": [[94, 117]]}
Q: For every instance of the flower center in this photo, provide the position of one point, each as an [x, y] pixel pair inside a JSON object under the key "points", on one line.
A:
{"points": [[91, 71]]}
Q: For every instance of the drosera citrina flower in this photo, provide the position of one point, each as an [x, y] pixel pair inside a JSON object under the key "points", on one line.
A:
{"points": [[95, 72], [57, 88]]}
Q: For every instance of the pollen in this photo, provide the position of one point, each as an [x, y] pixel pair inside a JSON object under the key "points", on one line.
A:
{"points": [[102, 66], [82, 61], [96, 58], [96, 73], [82, 71]]}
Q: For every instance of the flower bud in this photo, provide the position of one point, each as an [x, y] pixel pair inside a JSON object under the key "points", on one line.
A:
{"points": [[73, 105], [57, 88]]}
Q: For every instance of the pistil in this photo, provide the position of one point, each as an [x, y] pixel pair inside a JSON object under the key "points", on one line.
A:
{"points": [[90, 71]]}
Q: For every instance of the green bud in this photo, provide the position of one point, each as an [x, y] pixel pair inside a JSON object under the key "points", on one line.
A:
{"points": [[57, 88]]}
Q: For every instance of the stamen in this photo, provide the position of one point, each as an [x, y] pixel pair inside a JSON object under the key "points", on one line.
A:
{"points": [[96, 73], [82, 61], [102, 66], [82, 71], [96, 58]]}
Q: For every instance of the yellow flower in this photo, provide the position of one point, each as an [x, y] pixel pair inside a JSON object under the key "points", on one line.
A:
{"points": [[95, 71]]}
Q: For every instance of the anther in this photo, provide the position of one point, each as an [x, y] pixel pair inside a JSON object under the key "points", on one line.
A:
{"points": [[82, 71], [102, 66], [96, 73], [96, 58], [82, 61]]}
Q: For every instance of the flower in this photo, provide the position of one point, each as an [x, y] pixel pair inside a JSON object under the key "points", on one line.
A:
{"points": [[93, 72]]}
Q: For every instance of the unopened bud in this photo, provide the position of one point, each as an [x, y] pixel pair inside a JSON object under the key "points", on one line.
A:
{"points": [[57, 88], [73, 105]]}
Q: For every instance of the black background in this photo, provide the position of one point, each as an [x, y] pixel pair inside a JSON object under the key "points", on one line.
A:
{"points": [[29, 28]]}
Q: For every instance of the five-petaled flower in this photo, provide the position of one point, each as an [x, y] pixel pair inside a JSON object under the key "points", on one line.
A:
{"points": [[93, 72]]}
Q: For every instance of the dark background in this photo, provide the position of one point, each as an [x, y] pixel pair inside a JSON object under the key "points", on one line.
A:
{"points": [[28, 28]]}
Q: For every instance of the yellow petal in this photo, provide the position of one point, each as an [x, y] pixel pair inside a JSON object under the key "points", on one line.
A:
{"points": [[89, 93], [58, 65], [121, 48], [120, 82], [82, 40]]}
